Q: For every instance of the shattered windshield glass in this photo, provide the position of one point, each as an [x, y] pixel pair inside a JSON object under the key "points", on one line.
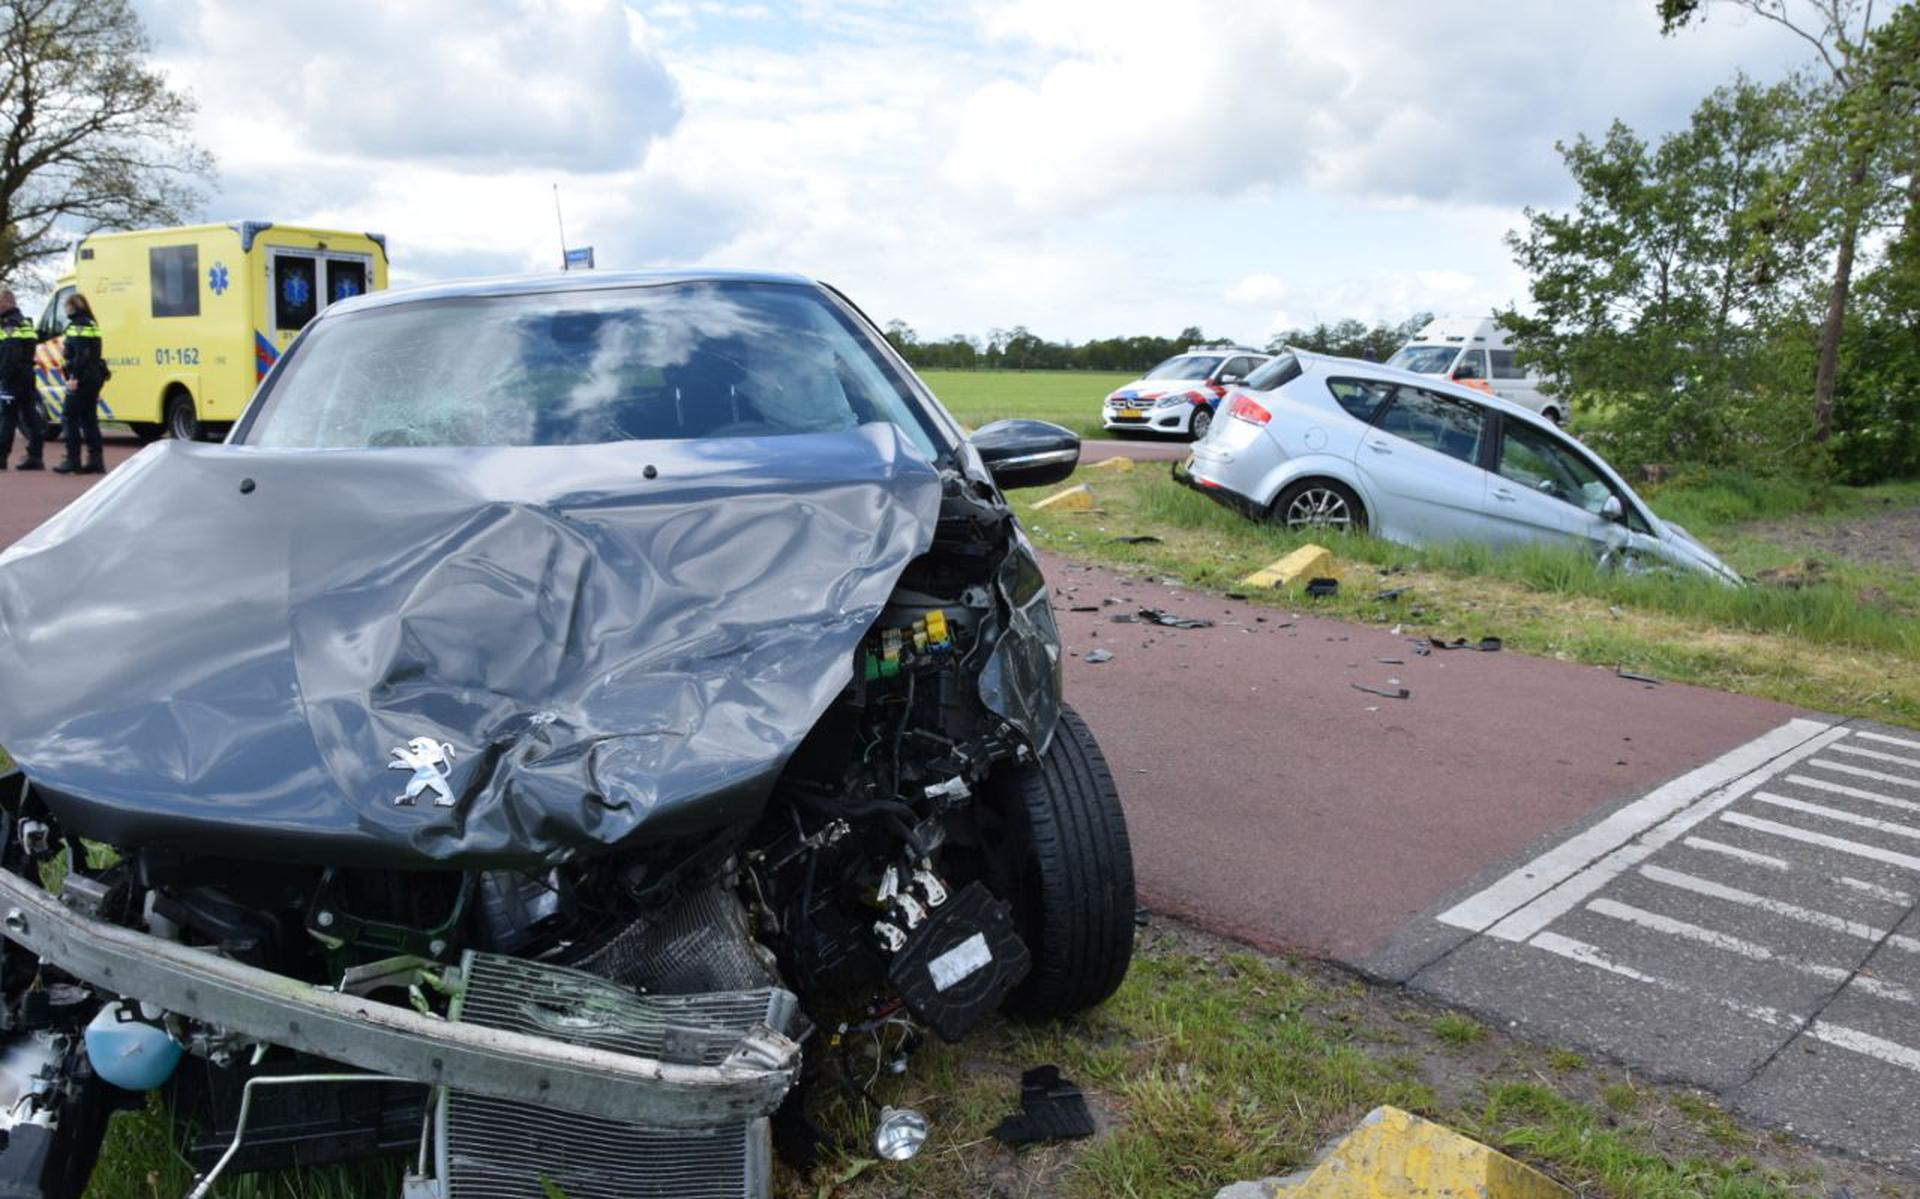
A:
{"points": [[667, 362]]}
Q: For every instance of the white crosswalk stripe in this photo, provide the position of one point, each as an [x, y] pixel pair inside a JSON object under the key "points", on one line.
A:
{"points": [[1760, 887]]}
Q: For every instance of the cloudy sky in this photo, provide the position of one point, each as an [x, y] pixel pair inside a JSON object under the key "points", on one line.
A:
{"points": [[1083, 167]]}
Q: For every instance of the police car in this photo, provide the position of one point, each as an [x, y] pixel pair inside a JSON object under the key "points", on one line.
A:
{"points": [[1179, 396]]}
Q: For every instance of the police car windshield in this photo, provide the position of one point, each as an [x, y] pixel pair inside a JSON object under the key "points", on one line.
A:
{"points": [[666, 362], [1424, 360], [1187, 366]]}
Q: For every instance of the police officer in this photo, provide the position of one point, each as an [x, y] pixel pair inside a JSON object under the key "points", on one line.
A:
{"points": [[19, 394], [86, 371]]}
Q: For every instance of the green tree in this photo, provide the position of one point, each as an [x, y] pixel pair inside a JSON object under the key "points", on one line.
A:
{"points": [[1652, 296], [94, 137], [1845, 167]]}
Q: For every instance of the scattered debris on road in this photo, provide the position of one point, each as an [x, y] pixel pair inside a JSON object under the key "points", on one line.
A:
{"points": [[1166, 619], [1323, 587], [1392, 593], [1389, 692], [1631, 676], [1136, 539], [1097, 656], [1486, 645]]}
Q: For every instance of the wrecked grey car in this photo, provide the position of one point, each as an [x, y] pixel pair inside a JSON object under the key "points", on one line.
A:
{"points": [[571, 719]]}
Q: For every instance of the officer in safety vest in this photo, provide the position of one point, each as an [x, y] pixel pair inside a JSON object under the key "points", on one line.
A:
{"points": [[86, 370], [19, 394]]}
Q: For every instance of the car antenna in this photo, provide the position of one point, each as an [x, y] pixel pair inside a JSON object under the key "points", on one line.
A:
{"points": [[561, 222]]}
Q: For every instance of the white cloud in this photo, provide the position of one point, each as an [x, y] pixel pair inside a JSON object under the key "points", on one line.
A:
{"points": [[573, 84], [1083, 167]]}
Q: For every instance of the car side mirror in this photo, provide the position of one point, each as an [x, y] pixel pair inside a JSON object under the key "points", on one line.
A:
{"points": [[1230, 380], [1026, 453], [1613, 509]]}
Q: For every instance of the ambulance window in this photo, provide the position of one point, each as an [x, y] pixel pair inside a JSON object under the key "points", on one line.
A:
{"points": [[345, 280], [1504, 366], [175, 275], [53, 322], [295, 292]]}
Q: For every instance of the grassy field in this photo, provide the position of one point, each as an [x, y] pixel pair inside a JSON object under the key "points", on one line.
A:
{"points": [[1070, 398], [1836, 636]]}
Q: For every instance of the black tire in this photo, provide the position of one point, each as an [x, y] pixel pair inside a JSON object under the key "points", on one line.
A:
{"points": [[1073, 899], [182, 418], [1306, 505], [1198, 425], [1553, 414]]}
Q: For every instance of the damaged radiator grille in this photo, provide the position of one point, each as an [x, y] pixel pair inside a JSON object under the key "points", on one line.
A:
{"points": [[584, 1009], [499, 1149]]}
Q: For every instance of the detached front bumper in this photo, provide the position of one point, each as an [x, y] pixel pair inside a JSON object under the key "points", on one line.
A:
{"points": [[379, 1037]]}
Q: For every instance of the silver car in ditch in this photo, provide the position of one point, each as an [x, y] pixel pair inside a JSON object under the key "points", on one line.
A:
{"points": [[1312, 441]]}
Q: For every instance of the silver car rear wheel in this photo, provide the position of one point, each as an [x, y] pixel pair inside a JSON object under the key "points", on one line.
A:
{"points": [[1320, 504]]}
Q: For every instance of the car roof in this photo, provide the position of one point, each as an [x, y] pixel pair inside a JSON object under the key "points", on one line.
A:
{"points": [[556, 283], [1393, 374]]}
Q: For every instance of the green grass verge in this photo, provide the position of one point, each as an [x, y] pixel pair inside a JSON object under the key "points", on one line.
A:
{"points": [[1213, 1065], [1847, 641], [1070, 398]]}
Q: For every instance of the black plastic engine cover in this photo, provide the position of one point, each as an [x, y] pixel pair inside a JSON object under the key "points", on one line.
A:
{"points": [[957, 967]]}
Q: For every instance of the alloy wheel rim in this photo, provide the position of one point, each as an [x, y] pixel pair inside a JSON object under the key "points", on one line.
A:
{"points": [[1202, 421], [1319, 508]]}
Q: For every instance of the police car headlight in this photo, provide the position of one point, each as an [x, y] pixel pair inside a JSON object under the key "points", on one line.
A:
{"points": [[1169, 401]]}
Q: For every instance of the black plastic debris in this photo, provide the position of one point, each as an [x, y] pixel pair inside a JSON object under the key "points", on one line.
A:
{"points": [[1391, 661], [1136, 539], [1630, 676], [1389, 692], [1084, 608], [1097, 656], [1051, 1109], [1323, 587], [1166, 619], [1237, 595], [1486, 645], [1392, 593]]}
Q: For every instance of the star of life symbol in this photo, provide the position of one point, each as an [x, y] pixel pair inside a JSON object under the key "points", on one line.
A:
{"points": [[430, 762]]}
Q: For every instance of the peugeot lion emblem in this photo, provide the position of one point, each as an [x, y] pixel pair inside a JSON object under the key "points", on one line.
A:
{"points": [[429, 760]]}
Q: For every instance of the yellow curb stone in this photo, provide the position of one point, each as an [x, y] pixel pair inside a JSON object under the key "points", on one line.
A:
{"points": [[1117, 464], [1073, 499], [1394, 1154], [1307, 562]]}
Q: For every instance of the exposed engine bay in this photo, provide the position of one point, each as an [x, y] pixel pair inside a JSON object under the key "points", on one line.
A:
{"points": [[615, 989]]}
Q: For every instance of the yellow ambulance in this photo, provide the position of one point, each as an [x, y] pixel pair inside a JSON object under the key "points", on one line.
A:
{"points": [[192, 318]]}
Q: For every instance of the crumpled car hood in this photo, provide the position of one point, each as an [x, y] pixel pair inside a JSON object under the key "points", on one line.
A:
{"points": [[221, 649]]}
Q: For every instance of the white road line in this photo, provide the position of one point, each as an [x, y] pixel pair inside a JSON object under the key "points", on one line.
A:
{"points": [[1752, 950], [1702, 935], [1587, 955], [1809, 837], [1734, 851], [1844, 817], [1905, 899], [1877, 756], [1531, 897], [1779, 907], [1889, 740], [1878, 776], [1891, 1052], [1905, 805]]}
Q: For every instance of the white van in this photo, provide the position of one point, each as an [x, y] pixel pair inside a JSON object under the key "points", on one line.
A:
{"points": [[1474, 352]]}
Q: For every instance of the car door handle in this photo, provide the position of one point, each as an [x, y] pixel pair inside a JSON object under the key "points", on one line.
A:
{"points": [[1380, 447], [1505, 496]]}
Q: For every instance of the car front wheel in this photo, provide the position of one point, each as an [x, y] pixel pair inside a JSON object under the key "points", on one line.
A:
{"points": [[1072, 874], [1202, 421]]}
